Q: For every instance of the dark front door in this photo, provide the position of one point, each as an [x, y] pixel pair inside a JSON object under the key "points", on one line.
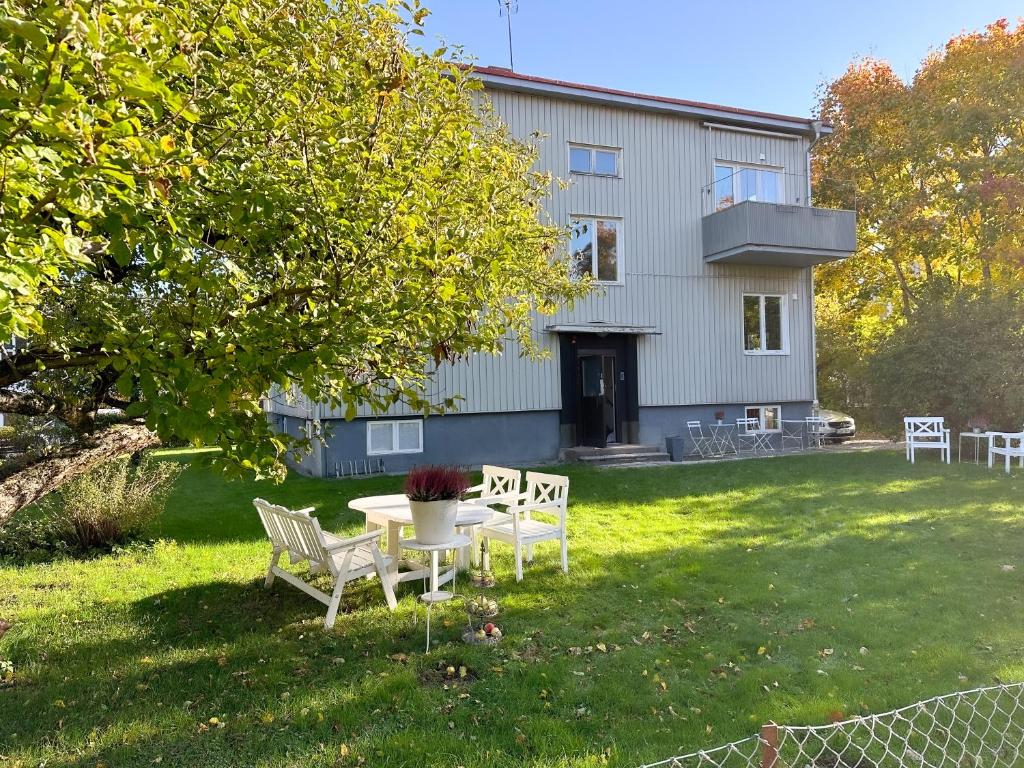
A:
{"points": [[600, 403], [600, 421]]}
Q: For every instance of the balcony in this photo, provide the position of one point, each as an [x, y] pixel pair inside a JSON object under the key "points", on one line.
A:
{"points": [[771, 234]]}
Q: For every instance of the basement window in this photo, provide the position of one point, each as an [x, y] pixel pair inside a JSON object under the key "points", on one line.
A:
{"points": [[383, 437]]}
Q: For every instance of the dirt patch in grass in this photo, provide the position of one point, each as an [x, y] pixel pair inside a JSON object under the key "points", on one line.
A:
{"points": [[449, 674]]}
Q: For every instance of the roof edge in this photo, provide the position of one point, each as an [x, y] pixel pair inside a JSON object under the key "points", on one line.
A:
{"points": [[506, 79]]}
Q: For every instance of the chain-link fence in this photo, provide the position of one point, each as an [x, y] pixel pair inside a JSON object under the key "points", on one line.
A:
{"points": [[982, 728]]}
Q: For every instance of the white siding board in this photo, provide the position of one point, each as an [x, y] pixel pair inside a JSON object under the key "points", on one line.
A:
{"points": [[698, 358]]}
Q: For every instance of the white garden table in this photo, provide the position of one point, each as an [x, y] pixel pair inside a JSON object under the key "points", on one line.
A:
{"points": [[392, 513], [722, 438]]}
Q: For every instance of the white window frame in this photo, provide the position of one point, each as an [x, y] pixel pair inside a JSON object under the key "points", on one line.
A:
{"points": [[760, 416], [394, 424], [783, 320], [619, 262], [736, 168], [592, 148]]}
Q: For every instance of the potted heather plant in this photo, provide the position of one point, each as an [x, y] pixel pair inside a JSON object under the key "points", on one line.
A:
{"points": [[720, 416], [434, 494]]}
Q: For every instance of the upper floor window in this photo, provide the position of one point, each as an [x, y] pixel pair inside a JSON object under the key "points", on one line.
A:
{"points": [[764, 324], [596, 161], [736, 183], [595, 248], [394, 437]]}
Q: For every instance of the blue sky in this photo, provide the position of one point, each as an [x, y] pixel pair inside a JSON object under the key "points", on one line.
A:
{"points": [[760, 55]]}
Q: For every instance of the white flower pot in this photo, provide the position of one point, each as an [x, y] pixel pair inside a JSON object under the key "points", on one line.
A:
{"points": [[434, 520]]}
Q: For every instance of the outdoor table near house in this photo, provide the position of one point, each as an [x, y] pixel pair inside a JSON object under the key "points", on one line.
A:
{"points": [[392, 513], [722, 438], [793, 433]]}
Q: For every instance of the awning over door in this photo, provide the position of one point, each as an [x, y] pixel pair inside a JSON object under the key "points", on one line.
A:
{"points": [[600, 327]]}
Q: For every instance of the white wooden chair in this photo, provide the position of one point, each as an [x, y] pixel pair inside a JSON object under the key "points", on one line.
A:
{"points": [[1012, 447], [298, 535], [927, 432], [702, 444], [500, 486], [546, 494]]}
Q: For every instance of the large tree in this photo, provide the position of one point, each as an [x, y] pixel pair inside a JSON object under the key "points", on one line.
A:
{"points": [[935, 170], [203, 199]]}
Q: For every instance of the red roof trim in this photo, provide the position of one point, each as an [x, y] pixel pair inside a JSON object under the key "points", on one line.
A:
{"points": [[503, 72]]}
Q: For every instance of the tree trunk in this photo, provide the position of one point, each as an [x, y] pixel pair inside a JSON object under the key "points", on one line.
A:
{"points": [[904, 287], [36, 479]]}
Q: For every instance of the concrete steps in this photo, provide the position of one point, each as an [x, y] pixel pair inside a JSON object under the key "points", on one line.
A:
{"points": [[616, 455]]}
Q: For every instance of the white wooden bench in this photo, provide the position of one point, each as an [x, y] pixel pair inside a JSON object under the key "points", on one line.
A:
{"points": [[927, 432], [298, 535], [1012, 447]]}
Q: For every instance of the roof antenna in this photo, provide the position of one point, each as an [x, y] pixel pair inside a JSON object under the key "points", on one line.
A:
{"points": [[506, 8]]}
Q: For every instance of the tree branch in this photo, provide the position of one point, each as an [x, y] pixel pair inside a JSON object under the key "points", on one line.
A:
{"points": [[28, 361], [27, 403], [25, 484]]}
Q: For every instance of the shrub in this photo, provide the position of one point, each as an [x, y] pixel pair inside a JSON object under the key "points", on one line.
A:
{"points": [[958, 357], [435, 483], [29, 537], [37, 434], [7, 432], [110, 505]]}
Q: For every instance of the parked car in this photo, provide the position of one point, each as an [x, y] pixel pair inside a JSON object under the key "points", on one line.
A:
{"points": [[839, 427]]}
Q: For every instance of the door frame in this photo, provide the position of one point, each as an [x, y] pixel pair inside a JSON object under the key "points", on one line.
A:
{"points": [[627, 409]]}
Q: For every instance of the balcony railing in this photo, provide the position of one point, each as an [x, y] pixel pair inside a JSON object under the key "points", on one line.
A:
{"points": [[778, 235], [775, 232]]}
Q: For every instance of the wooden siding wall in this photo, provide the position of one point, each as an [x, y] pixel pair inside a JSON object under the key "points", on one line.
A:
{"points": [[697, 307]]}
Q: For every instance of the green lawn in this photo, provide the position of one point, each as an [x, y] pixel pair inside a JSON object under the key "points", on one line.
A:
{"points": [[702, 601]]}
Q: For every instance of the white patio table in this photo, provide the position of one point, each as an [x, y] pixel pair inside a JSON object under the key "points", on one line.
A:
{"points": [[722, 438], [392, 513]]}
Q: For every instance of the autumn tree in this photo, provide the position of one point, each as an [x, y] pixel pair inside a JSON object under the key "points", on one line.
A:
{"points": [[202, 199], [935, 171]]}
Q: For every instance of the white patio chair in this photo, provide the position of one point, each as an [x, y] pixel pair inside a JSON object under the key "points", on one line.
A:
{"points": [[747, 435], [1008, 450], [927, 432], [298, 535], [500, 486], [792, 435], [546, 494], [815, 426], [702, 444]]}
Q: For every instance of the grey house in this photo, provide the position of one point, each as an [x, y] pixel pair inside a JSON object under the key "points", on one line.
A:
{"points": [[697, 222]]}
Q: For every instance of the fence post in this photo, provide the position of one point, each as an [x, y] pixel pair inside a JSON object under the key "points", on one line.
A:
{"points": [[769, 745]]}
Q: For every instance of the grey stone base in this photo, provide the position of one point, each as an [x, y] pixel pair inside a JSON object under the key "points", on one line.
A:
{"points": [[659, 422], [524, 438], [519, 439]]}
